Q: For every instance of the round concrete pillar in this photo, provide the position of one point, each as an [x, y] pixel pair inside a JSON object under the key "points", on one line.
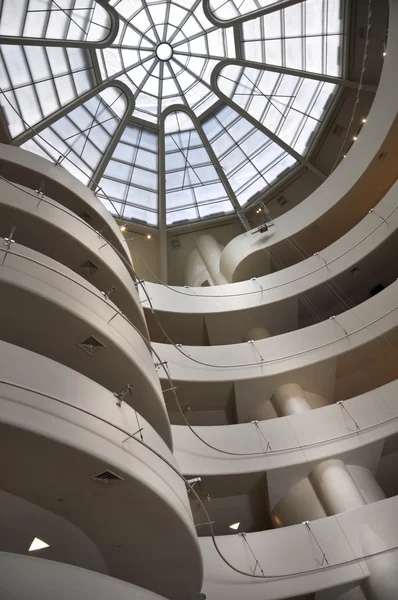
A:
{"points": [[210, 251], [196, 273], [335, 488], [290, 399], [256, 333]]}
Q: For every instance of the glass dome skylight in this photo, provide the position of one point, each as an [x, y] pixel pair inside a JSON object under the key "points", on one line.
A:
{"points": [[197, 106]]}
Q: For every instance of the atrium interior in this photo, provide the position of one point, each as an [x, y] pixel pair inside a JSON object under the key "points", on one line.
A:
{"points": [[199, 316]]}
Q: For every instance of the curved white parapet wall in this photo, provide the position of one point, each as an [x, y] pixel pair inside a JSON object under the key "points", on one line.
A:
{"points": [[286, 353], [264, 298], [348, 549], [49, 309], [23, 577], [48, 227], [297, 439], [28, 169], [349, 192], [72, 429]]}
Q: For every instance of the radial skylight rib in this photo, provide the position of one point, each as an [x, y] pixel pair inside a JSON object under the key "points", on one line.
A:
{"points": [[196, 45], [54, 20], [78, 140], [232, 10], [291, 107], [261, 120], [131, 177], [36, 82], [306, 36], [250, 160], [193, 188]]}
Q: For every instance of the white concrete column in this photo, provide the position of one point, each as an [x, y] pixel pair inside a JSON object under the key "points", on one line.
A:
{"points": [[290, 399], [210, 251], [335, 488], [196, 273], [256, 333]]}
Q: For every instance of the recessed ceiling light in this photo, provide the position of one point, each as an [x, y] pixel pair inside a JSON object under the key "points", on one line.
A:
{"points": [[123, 228], [38, 544], [148, 237], [355, 138], [384, 53], [364, 120], [235, 525]]}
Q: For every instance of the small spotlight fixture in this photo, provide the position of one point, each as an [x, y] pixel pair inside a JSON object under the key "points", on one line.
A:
{"points": [[148, 236], [364, 120], [384, 53], [123, 228], [345, 155], [355, 138], [38, 544], [235, 525]]}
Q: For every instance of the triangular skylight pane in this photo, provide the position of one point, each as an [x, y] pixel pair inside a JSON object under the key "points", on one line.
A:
{"points": [[192, 180], [53, 22], [289, 106], [78, 140]]}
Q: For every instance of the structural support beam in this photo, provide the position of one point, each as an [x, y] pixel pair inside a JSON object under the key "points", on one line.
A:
{"points": [[162, 204], [69, 43], [250, 64], [278, 5], [58, 114], [301, 159]]}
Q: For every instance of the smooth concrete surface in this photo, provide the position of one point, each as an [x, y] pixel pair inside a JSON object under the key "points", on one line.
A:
{"points": [[33, 171], [49, 309], [48, 227], [256, 333], [196, 273], [141, 525], [210, 252], [335, 488], [294, 440], [23, 521], [361, 326], [292, 560], [334, 207], [224, 305], [23, 577]]}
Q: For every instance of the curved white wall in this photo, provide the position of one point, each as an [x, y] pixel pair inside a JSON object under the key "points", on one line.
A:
{"points": [[48, 227], [224, 307], [297, 439], [23, 577], [49, 309], [31, 170], [64, 447], [349, 192]]}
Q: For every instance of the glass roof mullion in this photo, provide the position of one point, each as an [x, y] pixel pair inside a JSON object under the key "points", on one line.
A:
{"points": [[254, 14], [61, 112], [269, 134], [190, 12], [162, 199], [220, 171]]}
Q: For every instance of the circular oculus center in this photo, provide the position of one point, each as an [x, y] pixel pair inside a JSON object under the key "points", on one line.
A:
{"points": [[164, 51]]}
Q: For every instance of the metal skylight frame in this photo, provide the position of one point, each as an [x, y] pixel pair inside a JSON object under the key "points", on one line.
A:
{"points": [[78, 21], [200, 119]]}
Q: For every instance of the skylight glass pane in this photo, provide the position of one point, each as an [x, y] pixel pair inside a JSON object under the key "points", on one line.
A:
{"points": [[227, 10], [78, 140], [130, 180], [291, 107], [307, 36], [193, 187], [84, 21], [250, 160], [37, 81], [195, 44]]}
